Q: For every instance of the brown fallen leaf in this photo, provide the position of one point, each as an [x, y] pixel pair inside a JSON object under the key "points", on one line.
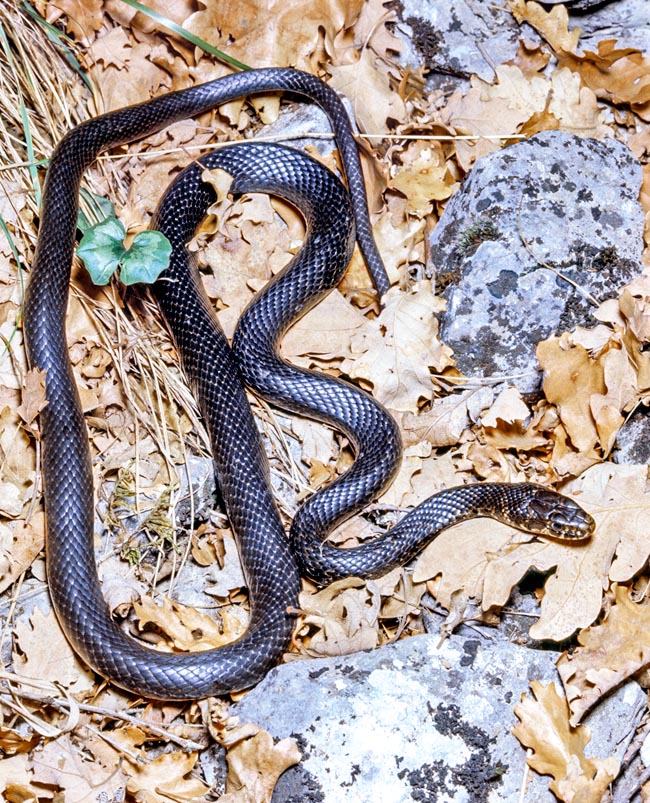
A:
{"points": [[254, 765], [558, 749], [396, 352], [552, 25], [188, 628], [268, 35], [619, 74], [19, 547], [423, 180], [571, 378], [608, 653], [340, 619], [166, 779], [447, 418], [62, 764], [33, 397], [368, 78], [43, 653]]}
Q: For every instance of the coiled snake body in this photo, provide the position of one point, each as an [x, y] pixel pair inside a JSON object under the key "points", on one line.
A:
{"points": [[272, 562]]}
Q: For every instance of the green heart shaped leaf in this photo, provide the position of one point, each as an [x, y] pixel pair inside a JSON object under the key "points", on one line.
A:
{"points": [[101, 249], [146, 259]]}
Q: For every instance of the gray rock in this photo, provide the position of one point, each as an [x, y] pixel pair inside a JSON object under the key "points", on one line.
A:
{"points": [[575, 202], [416, 720], [456, 39], [633, 440], [627, 21]]}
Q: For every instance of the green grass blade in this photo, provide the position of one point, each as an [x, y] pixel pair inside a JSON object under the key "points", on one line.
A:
{"points": [[190, 37], [60, 41], [5, 230], [29, 144]]}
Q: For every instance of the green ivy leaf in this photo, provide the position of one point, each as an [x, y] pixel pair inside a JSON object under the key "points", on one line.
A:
{"points": [[146, 259], [102, 251], [102, 248]]}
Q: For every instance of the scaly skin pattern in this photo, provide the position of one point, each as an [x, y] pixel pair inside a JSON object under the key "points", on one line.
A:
{"points": [[272, 563]]}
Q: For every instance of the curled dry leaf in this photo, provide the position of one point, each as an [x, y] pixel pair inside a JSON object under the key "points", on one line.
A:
{"points": [[254, 765], [552, 25], [608, 653], [591, 386], [343, 616], [508, 407], [558, 749], [19, 547], [188, 628], [166, 779], [397, 351], [43, 653]]}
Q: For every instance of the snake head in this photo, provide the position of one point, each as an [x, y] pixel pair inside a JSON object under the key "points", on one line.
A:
{"points": [[552, 514]]}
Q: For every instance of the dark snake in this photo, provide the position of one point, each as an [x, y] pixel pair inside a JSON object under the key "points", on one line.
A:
{"points": [[272, 562]]}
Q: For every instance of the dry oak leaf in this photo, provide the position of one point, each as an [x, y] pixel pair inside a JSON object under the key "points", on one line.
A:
{"points": [[33, 396], [423, 181], [188, 628], [397, 351], [375, 106], [575, 106], [499, 108], [43, 653], [446, 420], [84, 17], [508, 407], [558, 749], [324, 332], [19, 547], [634, 306], [344, 615], [274, 34], [63, 764], [608, 654], [17, 464], [618, 74], [552, 25], [571, 378], [254, 766], [166, 779]]}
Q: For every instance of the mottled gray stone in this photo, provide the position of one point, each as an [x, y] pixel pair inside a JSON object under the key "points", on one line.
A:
{"points": [[456, 39], [575, 202], [633, 440], [417, 720], [627, 21]]}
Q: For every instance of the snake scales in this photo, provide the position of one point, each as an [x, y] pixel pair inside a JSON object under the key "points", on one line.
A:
{"points": [[272, 563]]}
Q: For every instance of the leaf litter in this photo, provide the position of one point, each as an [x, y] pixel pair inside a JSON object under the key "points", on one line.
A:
{"points": [[61, 730]]}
